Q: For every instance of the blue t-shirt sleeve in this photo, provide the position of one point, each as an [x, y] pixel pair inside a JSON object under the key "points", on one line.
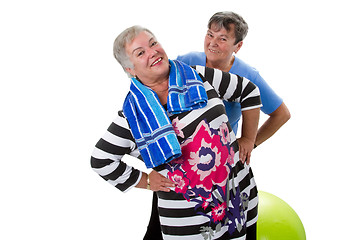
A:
{"points": [[193, 58], [270, 100]]}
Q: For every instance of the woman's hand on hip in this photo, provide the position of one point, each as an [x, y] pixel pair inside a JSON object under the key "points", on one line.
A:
{"points": [[159, 183]]}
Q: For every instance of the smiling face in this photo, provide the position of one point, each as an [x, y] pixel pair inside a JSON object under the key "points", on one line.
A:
{"points": [[150, 61], [219, 45]]}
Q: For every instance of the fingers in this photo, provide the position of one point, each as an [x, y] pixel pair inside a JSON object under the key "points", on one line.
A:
{"points": [[244, 154], [245, 157], [245, 148], [159, 183], [248, 159]]}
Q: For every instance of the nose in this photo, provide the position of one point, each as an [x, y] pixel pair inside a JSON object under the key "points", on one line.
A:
{"points": [[213, 42], [152, 52]]}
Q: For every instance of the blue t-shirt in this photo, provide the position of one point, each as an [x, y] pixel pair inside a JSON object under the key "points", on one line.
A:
{"points": [[270, 100]]}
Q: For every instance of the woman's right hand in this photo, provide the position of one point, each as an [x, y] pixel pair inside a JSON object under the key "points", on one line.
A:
{"points": [[159, 183]]}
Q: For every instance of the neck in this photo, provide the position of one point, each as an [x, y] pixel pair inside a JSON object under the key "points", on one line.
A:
{"points": [[221, 65], [161, 89]]}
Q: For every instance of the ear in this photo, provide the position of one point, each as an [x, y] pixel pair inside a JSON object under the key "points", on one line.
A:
{"points": [[131, 71], [238, 46]]}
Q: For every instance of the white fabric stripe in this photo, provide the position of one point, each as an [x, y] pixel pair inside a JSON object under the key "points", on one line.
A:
{"points": [[253, 93], [185, 221], [121, 179], [107, 169], [230, 90], [179, 204], [218, 121], [200, 69], [208, 86], [253, 203], [192, 117], [135, 153], [251, 222], [244, 84], [121, 121], [252, 107], [217, 79], [137, 181], [100, 154], [118, 141]]}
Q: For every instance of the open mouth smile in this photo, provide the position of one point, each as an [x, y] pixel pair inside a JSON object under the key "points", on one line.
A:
{"points": [[213, 51], [157, 61]]}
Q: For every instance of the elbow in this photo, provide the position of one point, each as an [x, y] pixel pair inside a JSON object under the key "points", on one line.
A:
{"points": [[286, 116], [281, 115]]}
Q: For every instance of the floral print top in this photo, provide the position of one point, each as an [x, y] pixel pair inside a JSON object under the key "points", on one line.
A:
{"points": [[215, 195]]}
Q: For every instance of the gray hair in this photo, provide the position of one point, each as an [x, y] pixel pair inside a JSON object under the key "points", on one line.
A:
{"points": [[126, 37], [225, 19]]}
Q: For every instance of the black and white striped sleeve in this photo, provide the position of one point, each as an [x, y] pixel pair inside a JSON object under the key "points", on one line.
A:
{"points": [[108, 152], [231, 87]]}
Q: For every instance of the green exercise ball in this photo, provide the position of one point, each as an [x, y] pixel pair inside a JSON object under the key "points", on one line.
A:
{"points": [[277, 220]]}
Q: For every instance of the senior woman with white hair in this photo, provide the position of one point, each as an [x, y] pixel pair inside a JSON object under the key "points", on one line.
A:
{"points": [[174, 120]]}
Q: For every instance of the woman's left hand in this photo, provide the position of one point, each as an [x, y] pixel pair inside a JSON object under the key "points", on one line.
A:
{"points": [[245, 148]]}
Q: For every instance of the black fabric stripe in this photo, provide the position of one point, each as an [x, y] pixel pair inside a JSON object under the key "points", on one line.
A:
{"points": [[111, 148], [251, 214], [234, 144], [224, 84], [130, 181], [237, 168], [190, 129], [251, 174], [248, 89], [209, 75], [251, 101], [176, 212], [117, 172], [238, 89], [99, 163], [120, 131], [211, 93], [183, 230], [170, 195]]}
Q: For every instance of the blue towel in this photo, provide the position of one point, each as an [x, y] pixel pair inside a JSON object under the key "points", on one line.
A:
{"points": [[186, 89], [148, 120]]}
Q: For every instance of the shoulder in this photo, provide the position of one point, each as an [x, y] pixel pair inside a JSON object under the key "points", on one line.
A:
{"points": [[193, 58], [121, 126], [244, 69], [270, 100]]}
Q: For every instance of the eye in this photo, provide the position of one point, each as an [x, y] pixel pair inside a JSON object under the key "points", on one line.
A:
{"points": [[153, 44], [140, 53]]}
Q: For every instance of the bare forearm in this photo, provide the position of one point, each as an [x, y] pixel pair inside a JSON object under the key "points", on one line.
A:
{"points": [[250, 124], [143, 181], [248, 134]]}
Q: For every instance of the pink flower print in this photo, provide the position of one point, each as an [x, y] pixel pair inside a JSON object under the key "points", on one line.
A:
{"points": [[205, 204], [218, 212], [225, 134], [178, 127], [181, 183], [205, 160], [230, 159]]}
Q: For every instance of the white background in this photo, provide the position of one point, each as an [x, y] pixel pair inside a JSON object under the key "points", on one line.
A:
{"points": [[61, 88]]}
